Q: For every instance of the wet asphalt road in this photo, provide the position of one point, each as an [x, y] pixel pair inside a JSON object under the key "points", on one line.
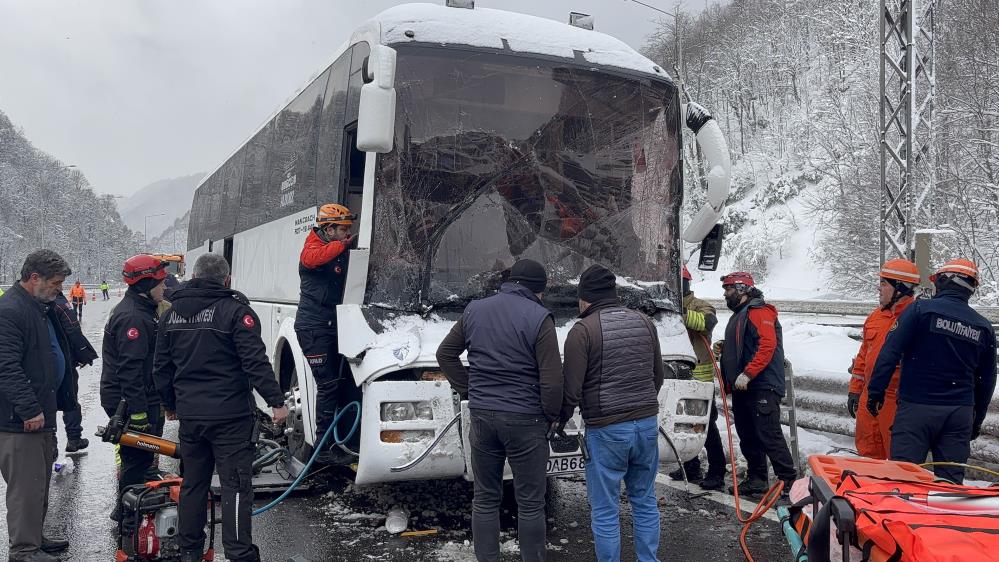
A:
{"points": [[335, 521]]}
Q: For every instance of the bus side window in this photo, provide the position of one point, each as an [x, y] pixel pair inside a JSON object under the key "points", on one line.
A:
{"points": [[353, 171]]}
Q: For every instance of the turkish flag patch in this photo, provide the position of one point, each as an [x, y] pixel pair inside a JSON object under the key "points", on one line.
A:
{"points": [[132, 333], [338, 270], [248, 321]]}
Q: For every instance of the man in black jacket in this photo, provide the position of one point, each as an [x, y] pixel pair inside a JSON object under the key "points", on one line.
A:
{"points": [[34, 359], [514, 387], [129, 344], [82, 353], [209, 360]]}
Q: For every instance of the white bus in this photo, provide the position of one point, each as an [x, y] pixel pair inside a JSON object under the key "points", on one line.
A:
{"points": [[466, 139]]}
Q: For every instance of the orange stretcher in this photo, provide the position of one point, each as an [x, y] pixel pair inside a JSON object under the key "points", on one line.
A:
{"points": [[891, 511]]}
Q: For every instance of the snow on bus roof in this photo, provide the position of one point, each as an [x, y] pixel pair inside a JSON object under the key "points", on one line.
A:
{"points": [[498, 29]]}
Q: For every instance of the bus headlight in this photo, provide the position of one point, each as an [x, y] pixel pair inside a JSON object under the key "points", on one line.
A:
{"points": [[406, 411], [691, 407]]}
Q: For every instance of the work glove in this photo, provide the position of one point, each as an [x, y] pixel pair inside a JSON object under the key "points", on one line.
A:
{"points": [[695, 321], [717, 348], [853, 404], [139, 422], [874, 402], [742, 381]]}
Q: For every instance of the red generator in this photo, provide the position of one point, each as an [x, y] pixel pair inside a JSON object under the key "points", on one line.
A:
{"points": [[147, 531]]}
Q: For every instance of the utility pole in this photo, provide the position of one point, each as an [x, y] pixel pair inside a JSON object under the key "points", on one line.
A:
{"points": [[145, 239], [908, 84]]}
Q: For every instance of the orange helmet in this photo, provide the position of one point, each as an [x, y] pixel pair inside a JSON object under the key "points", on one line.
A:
{"points": [[686, 274], [900, 270], [332, 213], [965, 268]]}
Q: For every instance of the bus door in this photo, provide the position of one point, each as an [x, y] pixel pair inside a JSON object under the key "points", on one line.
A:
{"points": [[352, 185]]}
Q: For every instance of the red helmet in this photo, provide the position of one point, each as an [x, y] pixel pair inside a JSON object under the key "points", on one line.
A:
{"points": [[738, 278], [686, 274], [143, 266]]}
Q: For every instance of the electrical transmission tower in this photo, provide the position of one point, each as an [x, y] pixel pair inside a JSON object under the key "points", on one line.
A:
{"points": [[908, 84]]}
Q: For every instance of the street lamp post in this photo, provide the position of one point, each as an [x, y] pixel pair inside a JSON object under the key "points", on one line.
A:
{"points": [[145, 239]]}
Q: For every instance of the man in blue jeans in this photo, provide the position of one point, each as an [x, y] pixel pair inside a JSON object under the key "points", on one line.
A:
{"points": [[514, 387], [614, 370]]}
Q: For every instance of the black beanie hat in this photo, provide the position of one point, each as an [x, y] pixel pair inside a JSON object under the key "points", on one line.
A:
{"points": [[143, 286], [530, 274], [597, 283]]}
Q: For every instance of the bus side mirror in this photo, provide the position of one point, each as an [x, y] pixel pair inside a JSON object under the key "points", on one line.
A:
{"points": [[376, 114], [711, 249]]}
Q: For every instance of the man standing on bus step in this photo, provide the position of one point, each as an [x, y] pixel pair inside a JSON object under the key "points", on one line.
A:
{"points": [[948, 356], [700, 319], [614, 369], [513, 384], [322, 270], [78, 296], [899, 278], [129, 345], [752, 365], [209, 360]]}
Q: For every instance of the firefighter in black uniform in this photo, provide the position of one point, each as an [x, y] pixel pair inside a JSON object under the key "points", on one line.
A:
{"points": [[948, 356], [209, 360], [129, 344], [322, 269]]}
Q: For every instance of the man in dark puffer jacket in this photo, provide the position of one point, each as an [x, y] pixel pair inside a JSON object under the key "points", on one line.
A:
{"points": [[614, 368]]}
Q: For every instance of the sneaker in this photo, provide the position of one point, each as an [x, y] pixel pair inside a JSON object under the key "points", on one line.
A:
{"points": [[713, 482], [74, 445]]}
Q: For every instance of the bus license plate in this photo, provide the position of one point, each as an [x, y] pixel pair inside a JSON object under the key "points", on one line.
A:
{"points": [[561, 465]]}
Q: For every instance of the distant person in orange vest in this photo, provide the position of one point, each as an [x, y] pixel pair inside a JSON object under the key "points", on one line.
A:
{"points": [[78, 295], [873, 434]]}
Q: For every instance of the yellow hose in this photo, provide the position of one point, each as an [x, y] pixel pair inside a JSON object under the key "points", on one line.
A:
{"points": [[961, 464]]}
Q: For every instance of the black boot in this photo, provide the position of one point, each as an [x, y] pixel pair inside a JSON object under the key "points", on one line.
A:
{"points": [[751, 487], [78, 444], [191, 556], [713, 481], [693, 469]]}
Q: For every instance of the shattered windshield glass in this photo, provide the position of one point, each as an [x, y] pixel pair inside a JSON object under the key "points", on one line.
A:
{"points": [[499, 157]]}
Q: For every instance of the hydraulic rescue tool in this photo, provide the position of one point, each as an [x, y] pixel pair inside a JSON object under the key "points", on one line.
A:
{"points": [[147, 529]]}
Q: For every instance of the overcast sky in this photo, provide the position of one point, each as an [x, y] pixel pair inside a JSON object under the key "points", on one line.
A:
{"points": [[133, 91]]}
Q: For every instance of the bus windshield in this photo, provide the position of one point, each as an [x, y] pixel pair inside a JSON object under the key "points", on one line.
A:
{"points": [[499, 157]]}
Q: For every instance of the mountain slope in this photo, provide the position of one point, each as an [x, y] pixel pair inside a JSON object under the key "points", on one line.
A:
{"points": [[172, 197]]}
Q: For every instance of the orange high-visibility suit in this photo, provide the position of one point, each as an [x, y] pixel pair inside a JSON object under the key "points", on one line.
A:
{"points": [[78, 293], [873, 435]]}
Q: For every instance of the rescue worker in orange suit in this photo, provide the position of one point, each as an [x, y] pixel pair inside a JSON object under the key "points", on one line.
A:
{"points": [[752, 365], [78, 296], [948, 355], [322, 270], [899, 279], [129, 346], [700, 319]]}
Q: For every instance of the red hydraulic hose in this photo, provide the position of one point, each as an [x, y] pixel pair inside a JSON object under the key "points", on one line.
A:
{"points": [[772, 495]]}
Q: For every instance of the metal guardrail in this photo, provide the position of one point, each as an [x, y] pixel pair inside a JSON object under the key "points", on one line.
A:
{"points": [[845, 308]]}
